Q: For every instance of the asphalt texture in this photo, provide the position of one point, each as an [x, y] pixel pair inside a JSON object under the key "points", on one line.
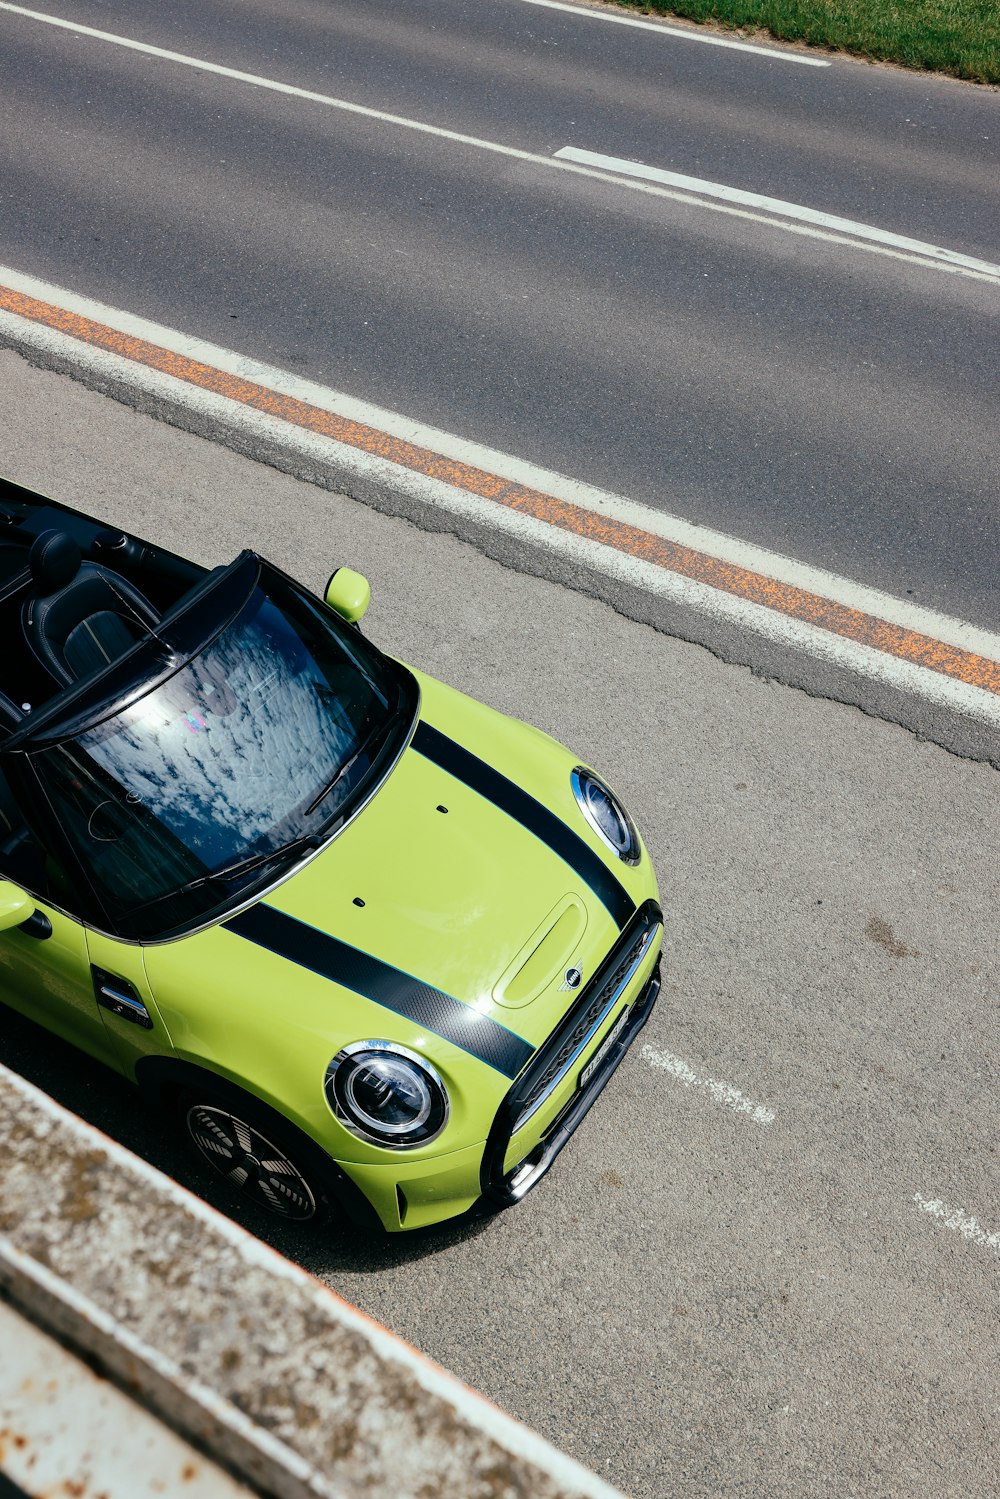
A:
{"points": [[727, 1285], [833, 404]]}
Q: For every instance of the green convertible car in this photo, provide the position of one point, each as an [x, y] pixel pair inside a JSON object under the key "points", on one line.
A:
{"points": [[375, 947]]}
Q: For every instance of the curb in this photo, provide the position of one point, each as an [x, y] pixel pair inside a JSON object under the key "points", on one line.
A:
{"points": [[937, 676], [243, 1354]]}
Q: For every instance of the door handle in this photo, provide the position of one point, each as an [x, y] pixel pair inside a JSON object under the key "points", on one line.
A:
{"points": [[120, 997]]}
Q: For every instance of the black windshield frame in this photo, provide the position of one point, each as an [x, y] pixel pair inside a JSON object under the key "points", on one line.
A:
{"points": [[209, 900], [179, 637]]}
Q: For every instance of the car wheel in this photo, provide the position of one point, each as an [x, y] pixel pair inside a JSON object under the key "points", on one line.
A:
{"points": [[256, 1155]]}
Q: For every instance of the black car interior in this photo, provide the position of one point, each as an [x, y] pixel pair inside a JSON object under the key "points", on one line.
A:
{"points": [[74, 597], [11, 823], [20, 857], [79, 616]]}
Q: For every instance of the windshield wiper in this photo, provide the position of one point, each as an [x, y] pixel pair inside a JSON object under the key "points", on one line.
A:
{"points": [[255, 861], [232, 871], [364, 747]]}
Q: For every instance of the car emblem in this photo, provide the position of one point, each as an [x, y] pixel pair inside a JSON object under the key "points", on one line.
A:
{"points": [[573, 979]]}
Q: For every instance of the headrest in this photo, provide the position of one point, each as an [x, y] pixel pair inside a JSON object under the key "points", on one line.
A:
{"points": [[54, 560]]}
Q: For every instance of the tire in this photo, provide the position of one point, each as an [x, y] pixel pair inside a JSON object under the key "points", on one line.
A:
{"points": [[262, 1157]]}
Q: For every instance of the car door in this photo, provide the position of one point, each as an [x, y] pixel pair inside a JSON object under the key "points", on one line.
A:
{"points": [[45, 974], [87, 987], [45, 964], [59, 969], [125, 1000], [83, 985]]}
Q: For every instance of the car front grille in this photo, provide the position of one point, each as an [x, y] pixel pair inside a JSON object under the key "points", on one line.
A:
{"points": [[556, 1056]]}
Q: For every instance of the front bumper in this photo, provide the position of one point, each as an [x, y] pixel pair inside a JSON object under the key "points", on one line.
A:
{"points": [[545, 1105], [504, 1191], [504, 1183]]}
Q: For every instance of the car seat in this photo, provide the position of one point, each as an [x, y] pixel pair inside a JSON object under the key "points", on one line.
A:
{"points": [[79, 615]]}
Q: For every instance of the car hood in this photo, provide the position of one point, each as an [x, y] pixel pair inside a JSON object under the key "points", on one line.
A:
{"points": [[444, 917], [439, 881]]}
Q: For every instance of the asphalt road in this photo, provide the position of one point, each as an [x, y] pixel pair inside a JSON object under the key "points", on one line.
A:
{"points": [[837, 405], [768, 1263]]}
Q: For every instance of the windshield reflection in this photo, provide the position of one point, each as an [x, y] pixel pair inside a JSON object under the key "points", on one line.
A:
{"points": [[265, 738]]}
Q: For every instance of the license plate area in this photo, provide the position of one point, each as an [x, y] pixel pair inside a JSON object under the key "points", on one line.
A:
{"points": [[603, 1049]]}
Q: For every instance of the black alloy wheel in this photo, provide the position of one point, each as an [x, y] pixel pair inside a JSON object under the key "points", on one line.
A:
{"points": [[249, 1161]]}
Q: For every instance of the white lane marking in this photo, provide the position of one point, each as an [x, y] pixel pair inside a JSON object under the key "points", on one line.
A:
{"points": [[709, 38], [960, 1222], [775, 205], [723, 1093], [670, 527], [469, 510], [364, 111]]}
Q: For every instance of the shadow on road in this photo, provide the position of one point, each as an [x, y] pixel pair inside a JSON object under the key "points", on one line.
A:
{"points": [[107, 1101]]}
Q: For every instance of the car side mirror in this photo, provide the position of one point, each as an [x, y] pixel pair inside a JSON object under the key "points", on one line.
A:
{"points": [[17, 909], [348, 594]]}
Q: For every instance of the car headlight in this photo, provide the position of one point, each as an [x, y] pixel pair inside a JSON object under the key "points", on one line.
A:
{"points": [[606, 815], [385, 1094]]}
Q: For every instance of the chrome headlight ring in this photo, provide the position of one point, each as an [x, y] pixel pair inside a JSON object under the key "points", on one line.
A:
{"points": [[386, 1095], [606, 815]]}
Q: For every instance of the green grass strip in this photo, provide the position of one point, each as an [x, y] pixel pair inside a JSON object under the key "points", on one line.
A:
{"points": [[958, 37]]}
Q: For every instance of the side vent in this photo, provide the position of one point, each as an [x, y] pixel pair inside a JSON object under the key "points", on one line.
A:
{"points": [[118, 995]]}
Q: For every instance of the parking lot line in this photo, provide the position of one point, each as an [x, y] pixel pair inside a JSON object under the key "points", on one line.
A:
{"points": [[723, 1093], [958, 1221]]}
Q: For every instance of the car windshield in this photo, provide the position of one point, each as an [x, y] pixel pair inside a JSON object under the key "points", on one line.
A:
{"points": [[226, 772]]}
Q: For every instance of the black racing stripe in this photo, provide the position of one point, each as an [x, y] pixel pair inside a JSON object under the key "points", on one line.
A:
{"points": [[390, 987], [496, 788]]}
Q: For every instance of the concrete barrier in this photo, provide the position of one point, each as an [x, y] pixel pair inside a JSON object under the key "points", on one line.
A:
{"points": [[66, 1431], [241, 1353]]}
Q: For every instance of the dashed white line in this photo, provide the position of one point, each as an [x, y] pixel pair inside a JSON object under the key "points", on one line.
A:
{"points": [[958, 1221], [556, 162], [710, 39], [795, 211], [723, 1093]]}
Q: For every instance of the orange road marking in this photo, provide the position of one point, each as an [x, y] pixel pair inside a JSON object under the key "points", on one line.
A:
{"points": [[783, 598]]}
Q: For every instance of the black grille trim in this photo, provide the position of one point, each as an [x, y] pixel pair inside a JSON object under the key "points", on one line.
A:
{"points": [[550, 1060]]}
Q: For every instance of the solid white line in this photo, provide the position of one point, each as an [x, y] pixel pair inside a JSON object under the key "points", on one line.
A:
{"points": [[723, 1093], [683, 533], [351, 463], [553, 163], [708, 37], [775, 205], [960, 1222]]}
